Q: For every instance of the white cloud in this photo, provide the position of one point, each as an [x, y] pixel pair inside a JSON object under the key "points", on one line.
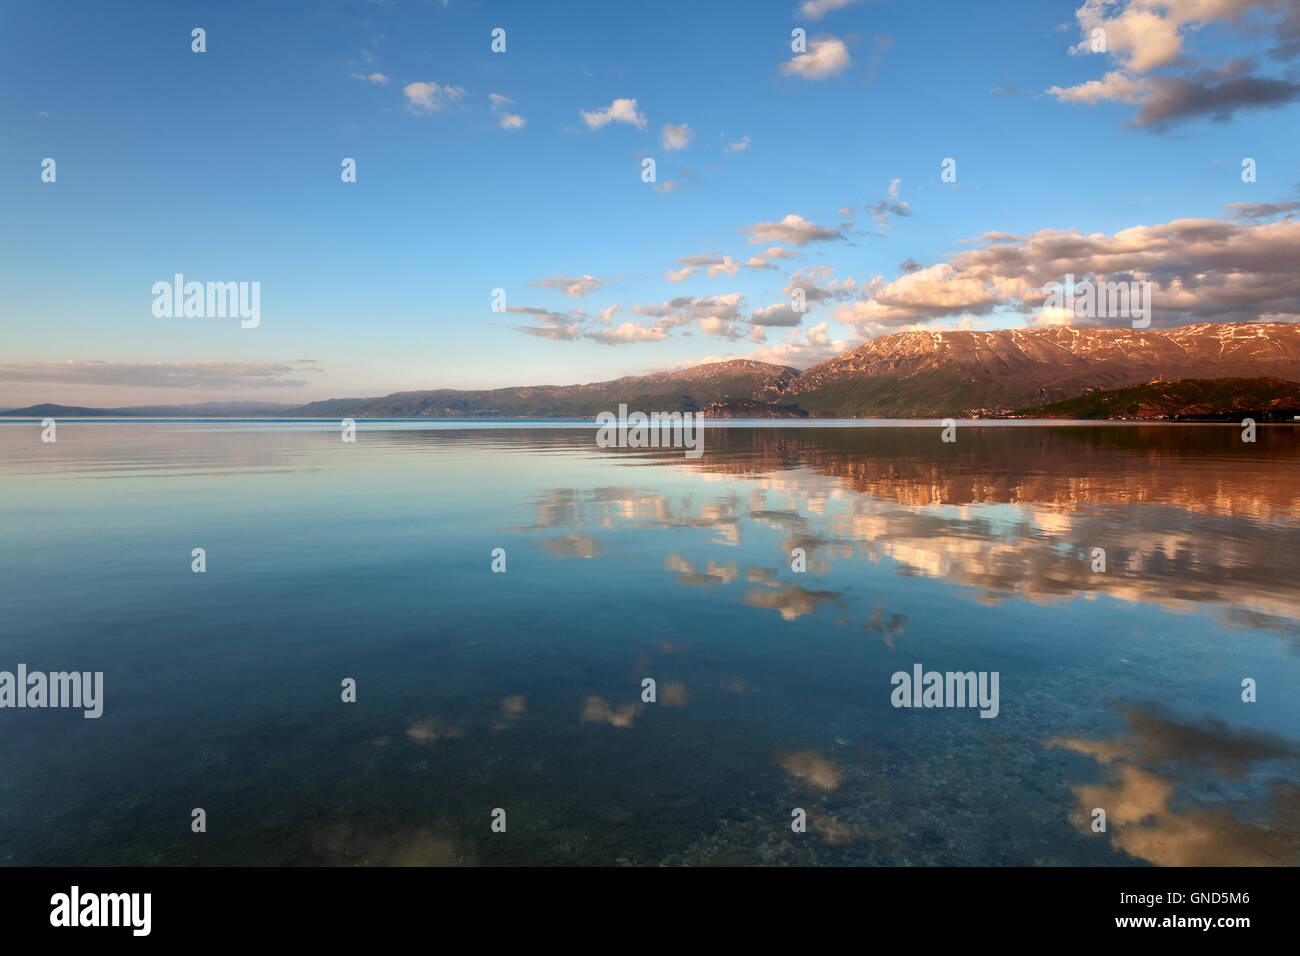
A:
{"points": [[825, 57], [780, 314], [1199, 270], [629, 332], [817, 285], [793, 229], [378, 79], [739, 147], [816, 9], [712, 262], [716, 325], [1114, 86], [432, 98], [765, 259], [802, 348], [506, 119], [620, 111], [677, 137], [1142, 36]]}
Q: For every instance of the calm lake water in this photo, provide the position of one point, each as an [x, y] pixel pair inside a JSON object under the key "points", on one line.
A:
{"points": [[325, 560]]}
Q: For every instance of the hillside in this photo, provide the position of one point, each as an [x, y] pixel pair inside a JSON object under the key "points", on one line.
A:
{"points": [[1190, 399], [687, 390]]}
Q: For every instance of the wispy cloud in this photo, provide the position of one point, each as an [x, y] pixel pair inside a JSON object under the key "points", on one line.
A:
{"points": [[505, 119], [576, 287], [204, 375]]}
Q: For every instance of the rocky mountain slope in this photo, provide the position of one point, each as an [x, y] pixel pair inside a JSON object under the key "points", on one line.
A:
{"points": [[924, 374]]}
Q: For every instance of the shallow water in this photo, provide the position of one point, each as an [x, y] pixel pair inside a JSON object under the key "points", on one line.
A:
{"points": [[326, 560]]}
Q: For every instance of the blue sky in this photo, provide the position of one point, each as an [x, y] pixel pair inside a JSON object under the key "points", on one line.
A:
{"points": [[225, 166]]}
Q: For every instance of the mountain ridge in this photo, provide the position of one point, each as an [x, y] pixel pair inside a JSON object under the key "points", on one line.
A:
{"points": [[911, 374]]}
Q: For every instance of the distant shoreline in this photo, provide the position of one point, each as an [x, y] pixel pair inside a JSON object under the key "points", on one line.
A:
{"points": [[470, 423]]}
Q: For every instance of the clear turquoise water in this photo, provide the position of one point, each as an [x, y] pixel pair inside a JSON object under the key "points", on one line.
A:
{"points": [[328, 560]]}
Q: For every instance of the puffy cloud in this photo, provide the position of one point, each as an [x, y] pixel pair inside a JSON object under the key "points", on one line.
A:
{"points": [[825, 57], [802, 348], [620, 111], [677, 137], [432, 98], [685, 309], [1142, 36], [931, 293], [817, 285], [716, 325], [1199, 270], [780, 314], [1113, 86], [793, 229], [714, 315], [738, 147], [1165, 100]]}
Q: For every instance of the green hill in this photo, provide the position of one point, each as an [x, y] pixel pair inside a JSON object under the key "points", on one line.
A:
{"points": [[1195, 399]]}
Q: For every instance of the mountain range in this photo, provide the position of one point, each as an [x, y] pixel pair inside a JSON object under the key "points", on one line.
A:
{"points": [[915, 374]]}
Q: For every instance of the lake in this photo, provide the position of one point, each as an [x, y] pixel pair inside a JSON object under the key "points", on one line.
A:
{"points": [[771, 589]]}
